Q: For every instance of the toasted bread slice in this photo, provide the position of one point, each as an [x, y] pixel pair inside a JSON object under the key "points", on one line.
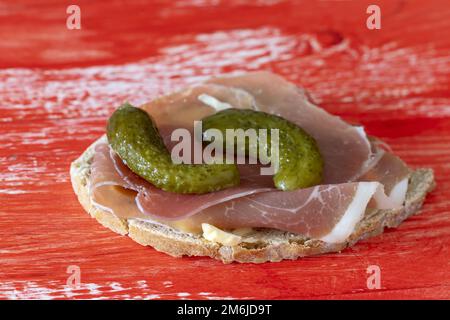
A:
{"points": [[262, 245]]}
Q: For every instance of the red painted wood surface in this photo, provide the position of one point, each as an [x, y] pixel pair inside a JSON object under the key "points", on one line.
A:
{"points": [[57, 87]]}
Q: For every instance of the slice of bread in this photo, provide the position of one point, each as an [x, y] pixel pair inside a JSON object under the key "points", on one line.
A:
{"points": [[262, 245]]}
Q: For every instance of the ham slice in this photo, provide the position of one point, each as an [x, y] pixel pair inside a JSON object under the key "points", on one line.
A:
{"points": [[357, 173], [336, 138], [329, 212], [174, 206], [115, 188], [393, 173], [267, 92], [108, 190]]}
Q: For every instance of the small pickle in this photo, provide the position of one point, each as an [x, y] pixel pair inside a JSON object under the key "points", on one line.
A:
{"points": [[133, 134], [300, 162]]}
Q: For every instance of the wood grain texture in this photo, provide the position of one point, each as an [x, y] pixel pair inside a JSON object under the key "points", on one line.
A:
{"points": [[58, 86]]}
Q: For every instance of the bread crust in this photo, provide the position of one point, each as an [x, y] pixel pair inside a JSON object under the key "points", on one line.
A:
{"points": [[264, 245]]}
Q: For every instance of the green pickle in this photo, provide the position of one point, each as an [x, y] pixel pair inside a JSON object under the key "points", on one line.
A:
{"points": [[134, 136], [300, 162], [132, 133]]}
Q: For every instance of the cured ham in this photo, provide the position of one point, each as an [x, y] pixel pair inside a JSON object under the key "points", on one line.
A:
{"points": [[358, 174], [327, 212], [314, 212], [108, 190], [335, 137], [174, 206], [270, 93], [393, 173]]}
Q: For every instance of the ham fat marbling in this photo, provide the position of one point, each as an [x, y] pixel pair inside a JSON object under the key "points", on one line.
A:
{"points": [[358, 175]]}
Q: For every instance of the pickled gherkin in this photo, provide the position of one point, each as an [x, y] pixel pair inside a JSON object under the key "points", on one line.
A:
{"points": [[133, 135], [300, 162]]}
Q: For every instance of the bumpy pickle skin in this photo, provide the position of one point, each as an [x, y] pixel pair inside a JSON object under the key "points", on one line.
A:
{"points": [[300, 162], [133, 135]]}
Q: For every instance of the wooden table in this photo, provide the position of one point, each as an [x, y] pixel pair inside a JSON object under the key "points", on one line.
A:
{"points": [[58, 86]]}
